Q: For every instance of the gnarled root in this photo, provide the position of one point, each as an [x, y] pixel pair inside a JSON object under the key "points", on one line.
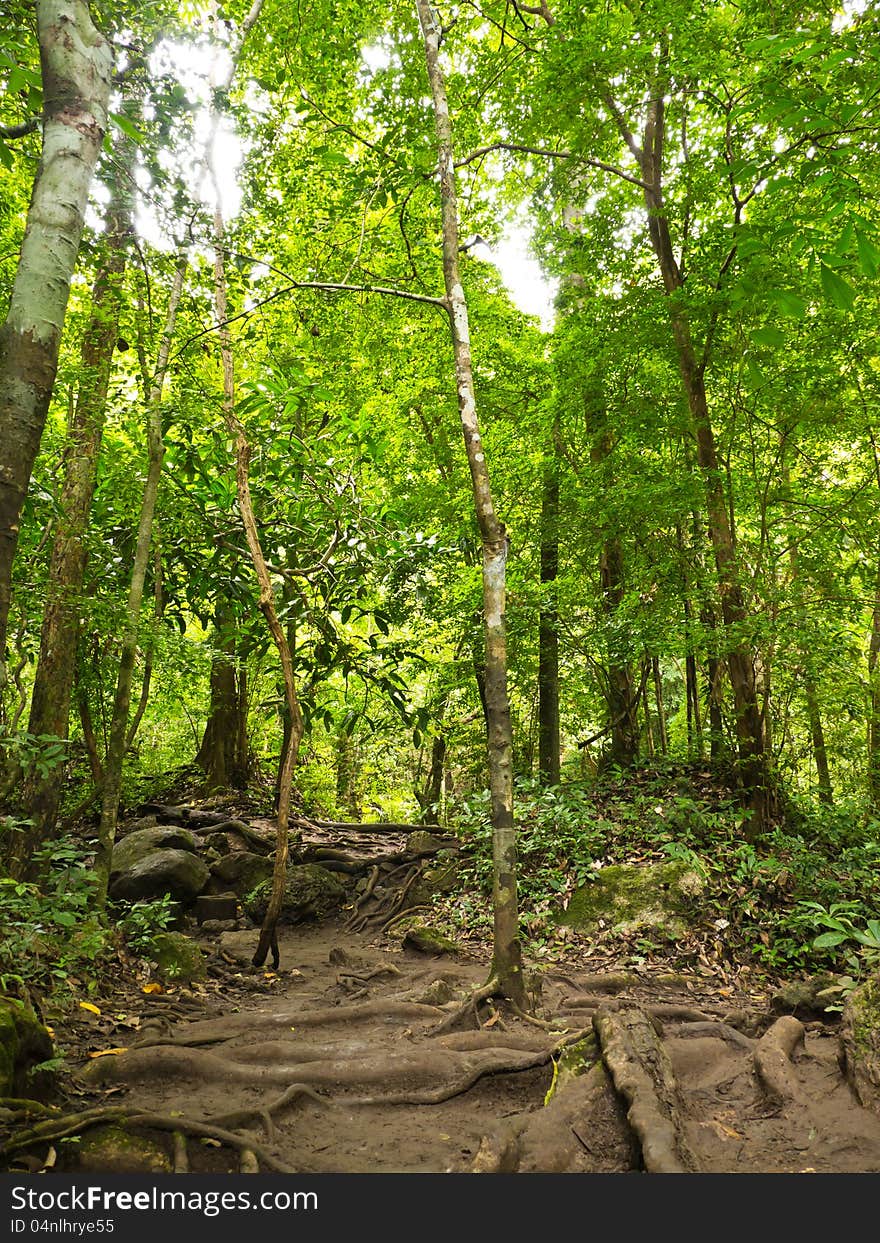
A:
{"points": [[772, 1057], [643, 1075]]}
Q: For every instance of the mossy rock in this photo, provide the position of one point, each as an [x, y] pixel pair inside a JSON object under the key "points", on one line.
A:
{"points": [[24, 1043], [426, 940], [112, 1149], [177, 957], [808, 998], [179, 873], [145, 841], [860, 1042], [310, 892], [630, 898]]}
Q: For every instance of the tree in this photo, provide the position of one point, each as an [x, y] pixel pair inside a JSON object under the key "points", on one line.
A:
{"points": [[76, 66]]}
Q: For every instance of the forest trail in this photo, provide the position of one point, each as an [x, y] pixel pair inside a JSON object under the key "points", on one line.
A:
{"points": [[338, 1063]]}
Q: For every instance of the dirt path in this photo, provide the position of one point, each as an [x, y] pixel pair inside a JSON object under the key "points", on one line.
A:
{"points": [[709, 1085]]}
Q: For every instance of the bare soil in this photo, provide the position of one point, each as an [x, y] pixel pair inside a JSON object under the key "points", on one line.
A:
{"points": [[383, 1093]]}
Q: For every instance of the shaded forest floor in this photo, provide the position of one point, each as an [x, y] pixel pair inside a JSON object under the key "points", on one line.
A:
{"points": [[347, 1059]]}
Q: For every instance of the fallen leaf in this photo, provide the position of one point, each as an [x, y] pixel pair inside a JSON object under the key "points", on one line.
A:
{"points": [[210, 1143], [152, 988], [87, 1005], [107, 1053]]}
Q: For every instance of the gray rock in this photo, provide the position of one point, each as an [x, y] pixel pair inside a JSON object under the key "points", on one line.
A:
{"points": [[136, 846], [177, 872], [311, 892], [242, 871]]}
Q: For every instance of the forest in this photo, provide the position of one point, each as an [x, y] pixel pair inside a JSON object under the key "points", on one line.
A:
{"points": [[439, 586]]}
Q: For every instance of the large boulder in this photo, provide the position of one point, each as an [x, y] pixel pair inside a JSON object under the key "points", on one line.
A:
{"points": [[176, 872], [143, 842], [310, 892], [24, 1043], [628, 898], [242, 871]]}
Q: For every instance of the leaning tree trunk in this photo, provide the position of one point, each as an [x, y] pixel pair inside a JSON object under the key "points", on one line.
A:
{"points": [[76, 65], [53, 681], [506, 961], [296, 724]]}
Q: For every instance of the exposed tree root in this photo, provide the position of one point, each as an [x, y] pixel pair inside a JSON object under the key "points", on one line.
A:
{"points": [[642, 1073], [245, 1117], [722, 1030], [232, 1027], [662, 1010], [75, 1124], [772, 1057], [469, 1007], [495, 1064]]}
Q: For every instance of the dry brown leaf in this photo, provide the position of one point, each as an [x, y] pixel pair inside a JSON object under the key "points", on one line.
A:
{"points": [[107, 1053]]}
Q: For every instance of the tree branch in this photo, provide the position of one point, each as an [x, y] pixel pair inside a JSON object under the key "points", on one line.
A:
{"points": [[9, 132], [547, 153]]}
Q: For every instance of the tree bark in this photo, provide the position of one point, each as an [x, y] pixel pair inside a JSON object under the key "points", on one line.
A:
{"points": [[53, 681], [507, 960], [548, 631], [224, 752], [76, 66]]}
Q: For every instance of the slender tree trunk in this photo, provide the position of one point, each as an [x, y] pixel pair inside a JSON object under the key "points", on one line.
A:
{"points": [[663, 736], [622, 697], [76, 65], [874, 699], [548, 631], [507, 961], [754, 768], [118, 741], [53, 682], [268, 935]]}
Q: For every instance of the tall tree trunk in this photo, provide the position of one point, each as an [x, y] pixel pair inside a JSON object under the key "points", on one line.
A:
{"points": [[346, 773], [118, 741], [224, 752], [53, 681], [506, 958], [268, 936], [754, 768], [548, 631], [662, 733], [76, 65], [622, 696], [874, 699], [811, 695]]}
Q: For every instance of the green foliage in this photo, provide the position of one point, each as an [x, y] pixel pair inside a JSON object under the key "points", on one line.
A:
{"points": [[52, 939], [140, 922]]}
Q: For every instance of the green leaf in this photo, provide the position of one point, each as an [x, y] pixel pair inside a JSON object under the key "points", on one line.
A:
{"points": [[130, 131], [827, 939], [838, 291], [869, 255], [768, 336], [788, 303]]}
